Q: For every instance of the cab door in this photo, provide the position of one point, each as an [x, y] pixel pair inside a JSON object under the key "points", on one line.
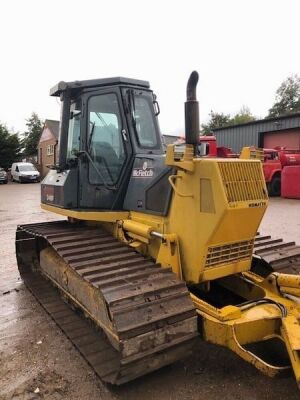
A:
{"points": [[104, 171]]}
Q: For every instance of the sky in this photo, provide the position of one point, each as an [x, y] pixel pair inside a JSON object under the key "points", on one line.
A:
{"points": [[243, 50]]}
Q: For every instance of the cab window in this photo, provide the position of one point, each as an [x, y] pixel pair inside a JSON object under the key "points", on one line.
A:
{"points": [[74, 130], [144, 121], [105, 143], [203, 149]]}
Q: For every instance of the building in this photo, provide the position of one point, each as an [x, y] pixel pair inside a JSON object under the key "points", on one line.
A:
{"points": [[169, 139], [47, 146], [267, 133]]}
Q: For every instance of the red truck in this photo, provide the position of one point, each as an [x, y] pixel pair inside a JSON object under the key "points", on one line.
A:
{"points": [[207, 147], [274, 162]]}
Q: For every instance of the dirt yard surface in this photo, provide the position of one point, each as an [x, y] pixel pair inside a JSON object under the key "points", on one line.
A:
{"points": [[38, 362]]}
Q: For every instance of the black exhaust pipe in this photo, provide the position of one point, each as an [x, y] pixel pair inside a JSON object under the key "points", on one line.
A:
{"points": [[192, 111]]}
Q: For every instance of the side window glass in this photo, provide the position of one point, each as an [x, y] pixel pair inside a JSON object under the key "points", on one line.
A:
{"points": [[105, 144], [74, 131], [144, 121], [203, 149], [17, 169]]}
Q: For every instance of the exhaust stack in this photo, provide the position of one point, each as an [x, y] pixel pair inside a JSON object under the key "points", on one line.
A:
{"points": [[192, 111]]}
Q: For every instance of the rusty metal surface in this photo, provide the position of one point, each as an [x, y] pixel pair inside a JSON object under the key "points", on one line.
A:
{"points": [[147, 304], [280, 256]]}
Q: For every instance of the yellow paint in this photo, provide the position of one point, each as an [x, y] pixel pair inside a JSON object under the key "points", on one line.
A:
{"points": [[252, 153], [85, 215], [172, 180], [216, 208], [229, 221], [137, 228], [234, 327], [293, 354], [186, 163], [169, 254]]}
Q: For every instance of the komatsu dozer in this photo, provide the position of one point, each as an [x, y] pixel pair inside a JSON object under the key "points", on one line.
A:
{"points": [[156, 248]]}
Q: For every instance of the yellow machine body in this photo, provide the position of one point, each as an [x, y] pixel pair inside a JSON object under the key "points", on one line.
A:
{"points": [[214, 213], [252, 153], [208, 236], [182, 259]]}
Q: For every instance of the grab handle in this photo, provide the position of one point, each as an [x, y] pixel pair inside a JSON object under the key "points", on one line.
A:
{"points": [[171, 180]]}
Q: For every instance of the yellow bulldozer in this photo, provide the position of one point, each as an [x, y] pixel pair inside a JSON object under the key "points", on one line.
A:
{"points": [[156, 249]]}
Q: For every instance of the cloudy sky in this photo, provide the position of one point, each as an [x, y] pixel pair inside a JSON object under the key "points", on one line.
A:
{"points": [[242, 50]]}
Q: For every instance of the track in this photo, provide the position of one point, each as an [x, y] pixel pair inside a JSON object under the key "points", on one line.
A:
{"points": [[150, 319], [148, 315], [275, 255]]}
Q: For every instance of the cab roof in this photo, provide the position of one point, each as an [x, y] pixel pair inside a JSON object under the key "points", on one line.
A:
{"points": [[94, 83]]}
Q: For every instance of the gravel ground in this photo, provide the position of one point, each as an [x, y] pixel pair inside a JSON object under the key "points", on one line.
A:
{"points": [[38, 362]]}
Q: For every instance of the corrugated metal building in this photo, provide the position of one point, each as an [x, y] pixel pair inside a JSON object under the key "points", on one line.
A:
{"points": [[169, 139], [267, 133]]}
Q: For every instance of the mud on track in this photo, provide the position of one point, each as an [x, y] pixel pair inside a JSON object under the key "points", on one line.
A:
{"points": [[35, 354]]}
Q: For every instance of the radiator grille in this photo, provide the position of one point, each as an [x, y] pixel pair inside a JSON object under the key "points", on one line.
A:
{"points": [[243, 181], [228, 253]]}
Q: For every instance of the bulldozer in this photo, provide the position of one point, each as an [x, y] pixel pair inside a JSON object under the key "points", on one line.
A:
{"points": [[154, 250]]}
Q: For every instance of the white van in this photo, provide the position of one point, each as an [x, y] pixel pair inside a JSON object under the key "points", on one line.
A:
{"points": [[24, 172]]}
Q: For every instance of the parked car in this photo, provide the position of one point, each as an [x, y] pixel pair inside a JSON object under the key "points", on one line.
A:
{"points": [[24, 172], [3, 175]]}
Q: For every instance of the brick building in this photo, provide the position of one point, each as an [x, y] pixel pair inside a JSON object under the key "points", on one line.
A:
{"points": [[47, 147]]}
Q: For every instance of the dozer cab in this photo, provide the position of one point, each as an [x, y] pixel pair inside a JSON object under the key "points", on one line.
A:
{"points": [[156, 249]]}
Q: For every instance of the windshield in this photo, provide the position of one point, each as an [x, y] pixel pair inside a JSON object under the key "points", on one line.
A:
{"points": [[27, 168]]}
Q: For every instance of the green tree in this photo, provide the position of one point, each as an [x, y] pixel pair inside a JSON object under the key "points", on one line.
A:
{"points": [[242, 117], [32, 135], [10, 147], [217, 120], [287, 98]]}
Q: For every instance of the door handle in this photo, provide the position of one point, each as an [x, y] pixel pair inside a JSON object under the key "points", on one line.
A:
{"points": [[124, 134]]}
